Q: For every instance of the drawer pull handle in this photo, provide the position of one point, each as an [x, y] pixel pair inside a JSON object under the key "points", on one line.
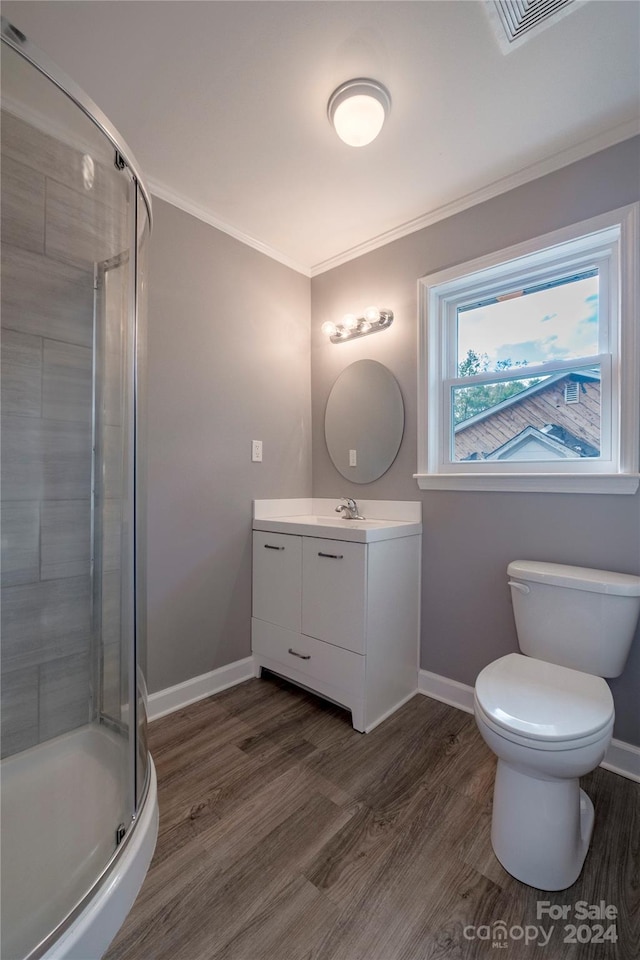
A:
{"points": [[303, 656], [269, 546], [332, 556]]}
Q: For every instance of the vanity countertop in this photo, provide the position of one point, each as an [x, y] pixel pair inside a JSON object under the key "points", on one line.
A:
{"points": [[335, 528]]}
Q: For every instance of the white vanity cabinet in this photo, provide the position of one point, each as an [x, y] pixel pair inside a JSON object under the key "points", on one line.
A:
{"points": [[340, 618]]}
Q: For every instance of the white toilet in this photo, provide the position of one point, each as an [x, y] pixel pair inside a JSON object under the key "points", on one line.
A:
{"points": [[548, 716]]}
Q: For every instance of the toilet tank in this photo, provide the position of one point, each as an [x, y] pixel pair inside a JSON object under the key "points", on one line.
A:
{"points": [[574, 616]]}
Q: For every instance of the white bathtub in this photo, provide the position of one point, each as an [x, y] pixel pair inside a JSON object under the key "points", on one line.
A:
{"points": [[61, 803]]}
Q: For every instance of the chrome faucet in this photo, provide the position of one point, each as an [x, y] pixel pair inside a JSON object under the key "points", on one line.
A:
{"points": [[349, 509]]}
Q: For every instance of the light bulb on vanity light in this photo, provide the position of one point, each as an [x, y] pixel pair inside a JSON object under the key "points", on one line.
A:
{"points": [[349, 321], [329, 328], [371, 315]]}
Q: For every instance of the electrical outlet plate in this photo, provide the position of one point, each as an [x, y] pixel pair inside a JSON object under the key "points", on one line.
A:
{"points": [[256, 451]]}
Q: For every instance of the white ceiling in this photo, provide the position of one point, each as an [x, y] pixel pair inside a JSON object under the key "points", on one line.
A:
{"points": [[224, 106]]}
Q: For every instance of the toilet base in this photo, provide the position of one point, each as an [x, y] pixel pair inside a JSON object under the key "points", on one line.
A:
{"points": [[541, 829]]}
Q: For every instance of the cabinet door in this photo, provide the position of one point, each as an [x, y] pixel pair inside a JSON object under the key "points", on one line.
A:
{"points": [[277, 579], [334, 592]]}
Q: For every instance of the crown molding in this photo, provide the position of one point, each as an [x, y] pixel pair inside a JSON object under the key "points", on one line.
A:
{"points": [[550, 164], [159, 190]]}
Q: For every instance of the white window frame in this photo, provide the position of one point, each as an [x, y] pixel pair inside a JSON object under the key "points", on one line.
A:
{"points": [[611, 243]]}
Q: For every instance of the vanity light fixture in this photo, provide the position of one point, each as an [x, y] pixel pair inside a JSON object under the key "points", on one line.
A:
{"points": [[357, 110], [351, 326]]}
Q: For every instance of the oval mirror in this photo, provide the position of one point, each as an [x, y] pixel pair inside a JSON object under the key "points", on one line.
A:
{"points": [[364, 421]]}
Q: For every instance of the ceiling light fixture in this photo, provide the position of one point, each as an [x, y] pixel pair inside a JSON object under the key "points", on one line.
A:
{"points": [[358, 109]]}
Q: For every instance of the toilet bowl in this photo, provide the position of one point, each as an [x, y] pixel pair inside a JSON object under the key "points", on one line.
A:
{"points": [[548, 726], [548, 716]]}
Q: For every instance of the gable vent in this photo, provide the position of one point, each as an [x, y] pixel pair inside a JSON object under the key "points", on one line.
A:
{"points": [[515, 21], [571, 393]]}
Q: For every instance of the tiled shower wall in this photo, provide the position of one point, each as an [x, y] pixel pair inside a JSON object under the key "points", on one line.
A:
{"points": [[52, 234]]}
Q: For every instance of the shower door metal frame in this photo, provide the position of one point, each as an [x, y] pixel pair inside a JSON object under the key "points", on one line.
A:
{"points": [[128, 629]]}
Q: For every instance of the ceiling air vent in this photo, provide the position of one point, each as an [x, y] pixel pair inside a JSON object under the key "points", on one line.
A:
{"points": [[515, 21]]}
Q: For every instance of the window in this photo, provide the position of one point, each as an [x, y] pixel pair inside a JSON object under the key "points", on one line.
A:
{"points": [[529, 364]]}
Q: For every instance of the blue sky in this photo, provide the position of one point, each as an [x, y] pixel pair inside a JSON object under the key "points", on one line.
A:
{"points": [[560, 323]]}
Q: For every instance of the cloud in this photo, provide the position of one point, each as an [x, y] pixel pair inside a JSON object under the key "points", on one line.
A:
{"points": [[592, 304], [552, 324], [532, 351]]}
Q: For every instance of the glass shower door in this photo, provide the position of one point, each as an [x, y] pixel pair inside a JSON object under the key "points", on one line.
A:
{"points": [[68, 512]]}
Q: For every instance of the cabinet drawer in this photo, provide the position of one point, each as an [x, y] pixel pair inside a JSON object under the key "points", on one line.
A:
{"points": [[277, 579], [334, 592], [311, 658]]}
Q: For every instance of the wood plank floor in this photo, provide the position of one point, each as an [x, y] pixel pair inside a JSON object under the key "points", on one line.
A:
{"points": [[286, 835]]}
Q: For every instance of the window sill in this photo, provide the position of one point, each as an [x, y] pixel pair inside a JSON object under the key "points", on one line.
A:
{"points": [[541, 483]]}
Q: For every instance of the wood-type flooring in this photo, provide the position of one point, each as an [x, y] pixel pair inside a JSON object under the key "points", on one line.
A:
{"points": [[286, 835]]}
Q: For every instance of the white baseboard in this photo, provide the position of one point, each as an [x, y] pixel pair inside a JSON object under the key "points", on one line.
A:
{"points": [[174, 698], [621, 758], [453, 692], [390, 711]]}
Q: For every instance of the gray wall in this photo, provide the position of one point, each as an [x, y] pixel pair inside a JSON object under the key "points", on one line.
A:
{"points": [[470, 537], [229, 361]]}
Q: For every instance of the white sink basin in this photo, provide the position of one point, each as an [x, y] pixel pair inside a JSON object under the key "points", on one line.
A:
{"points": [[336, 528]]}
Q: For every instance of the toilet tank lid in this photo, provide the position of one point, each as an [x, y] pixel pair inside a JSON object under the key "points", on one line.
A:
{"points": [[576, 578]]}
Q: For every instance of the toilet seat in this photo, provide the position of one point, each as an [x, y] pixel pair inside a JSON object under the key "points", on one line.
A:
{"points": [[543, 705]]}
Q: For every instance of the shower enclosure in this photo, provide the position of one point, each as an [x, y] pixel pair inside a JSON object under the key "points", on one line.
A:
{"points": [[79, 808]]}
